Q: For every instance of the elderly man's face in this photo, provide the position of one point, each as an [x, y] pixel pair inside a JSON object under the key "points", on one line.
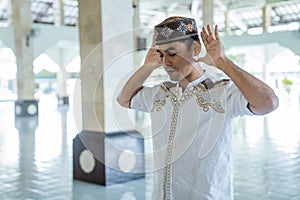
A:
{"points": [[177, 59]]}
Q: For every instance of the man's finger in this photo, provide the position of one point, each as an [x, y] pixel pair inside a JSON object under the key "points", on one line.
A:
{"points": [[204, 32], [209, 30], [216, 32], [203, 38]]}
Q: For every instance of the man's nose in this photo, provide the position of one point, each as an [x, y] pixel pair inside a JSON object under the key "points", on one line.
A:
{"points": [[166, 61]]}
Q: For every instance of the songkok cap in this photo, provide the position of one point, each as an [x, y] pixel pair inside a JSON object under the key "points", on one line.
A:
{"points": [[174, 29]]}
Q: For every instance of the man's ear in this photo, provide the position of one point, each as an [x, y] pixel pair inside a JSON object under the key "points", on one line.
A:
{"points": [[197, 48]]}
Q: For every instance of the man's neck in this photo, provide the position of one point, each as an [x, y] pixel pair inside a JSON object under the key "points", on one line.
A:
{"points": [[196, 73]]}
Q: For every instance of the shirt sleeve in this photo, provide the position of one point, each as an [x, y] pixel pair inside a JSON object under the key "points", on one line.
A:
{"points": [[236, 102], [143, 100]]}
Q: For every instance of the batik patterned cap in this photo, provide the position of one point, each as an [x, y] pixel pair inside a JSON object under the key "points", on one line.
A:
{"points": [[174, 29]]}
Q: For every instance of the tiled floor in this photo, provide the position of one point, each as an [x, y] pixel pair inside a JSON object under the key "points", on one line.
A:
{"points": [[36, 157]]}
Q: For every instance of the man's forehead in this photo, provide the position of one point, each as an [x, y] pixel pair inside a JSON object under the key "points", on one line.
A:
{"points": [[170, 46]]}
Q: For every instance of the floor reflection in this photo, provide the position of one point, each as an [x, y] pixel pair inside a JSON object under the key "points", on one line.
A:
{"points": [[267, 154], [36, 157]]}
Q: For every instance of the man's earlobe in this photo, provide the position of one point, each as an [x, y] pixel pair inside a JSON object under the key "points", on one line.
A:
{"points": [[196, 51], [197, 48]]}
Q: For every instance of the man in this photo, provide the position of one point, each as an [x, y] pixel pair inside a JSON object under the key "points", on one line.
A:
{"points": [[192, 114]]}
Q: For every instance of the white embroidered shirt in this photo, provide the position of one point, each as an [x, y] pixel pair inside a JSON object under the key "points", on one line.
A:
{"points": [[191, 132]]}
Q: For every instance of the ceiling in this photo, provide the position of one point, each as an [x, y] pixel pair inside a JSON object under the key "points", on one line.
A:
{"points": [[243, 14], [43, 11]]}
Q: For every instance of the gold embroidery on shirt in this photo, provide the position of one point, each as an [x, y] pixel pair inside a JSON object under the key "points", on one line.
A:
{"points": [[158, 104], [204, 99], [160, 99], [168, 157], [198, 92], [214, 105]]}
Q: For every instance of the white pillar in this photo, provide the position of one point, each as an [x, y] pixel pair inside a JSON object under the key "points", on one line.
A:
{"points": [[227, 22], [62, 77], [90, 32], [59, 13], [118, 57], [208, 12], [22, 24], [106, 50], [266, 15], [208, 18], [23, 38]]}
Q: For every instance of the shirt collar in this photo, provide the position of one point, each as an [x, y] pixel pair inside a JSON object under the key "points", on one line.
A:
{"points": [[198, 80]]}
